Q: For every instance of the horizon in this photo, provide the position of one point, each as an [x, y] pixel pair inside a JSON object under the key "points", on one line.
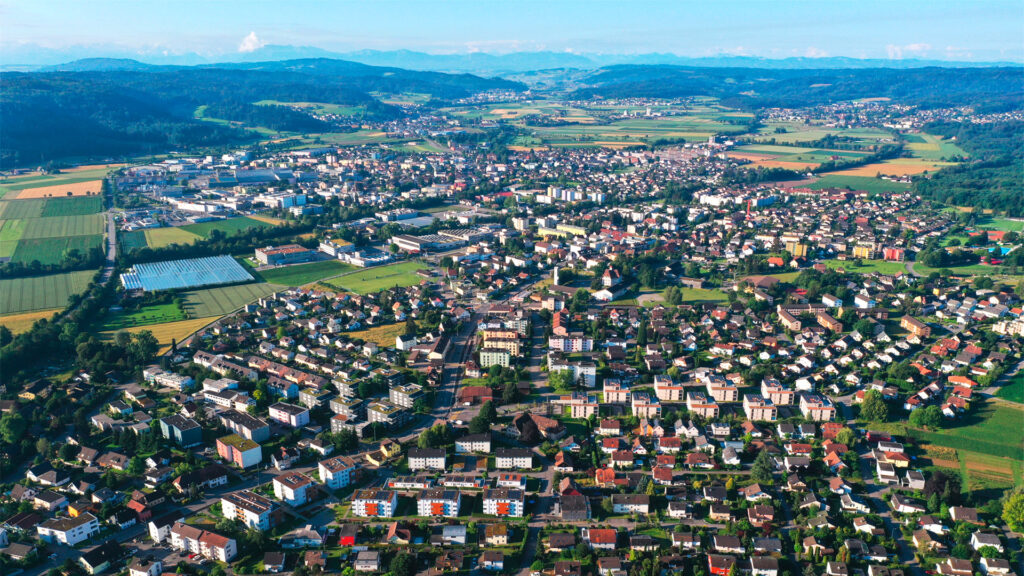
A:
{"points": [[224, 31]]}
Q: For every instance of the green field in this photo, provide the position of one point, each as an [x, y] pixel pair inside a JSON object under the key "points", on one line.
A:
{"points": [[228, 226], [870, 185], [10, 233], [63, 226], [161, 237], [1005, 224], [302, 274], [14, 209], [74, 206], [41, 292], [15, 185], [132, 240], [51, 250], [221, 301], [798, 132], [318, 107], [970, 270], [990, 428], [928, 147], [156, 314], [1013, 391], [380, 278], [868, 266]]}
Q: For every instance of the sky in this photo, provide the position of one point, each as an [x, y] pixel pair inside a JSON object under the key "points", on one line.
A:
{"points": [[963, 30]]}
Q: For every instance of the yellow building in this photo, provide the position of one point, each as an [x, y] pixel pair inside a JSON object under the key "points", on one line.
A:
{"points": [[797, 249]]}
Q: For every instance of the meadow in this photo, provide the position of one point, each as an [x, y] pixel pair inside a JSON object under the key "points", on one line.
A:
{"points": [[318, 107], [164, 333], [384, 335], [791, 157], [991, 428], [132, 240], [155, 314], [929, 147], [784, 132], [220, 301], [79, 181], [379, 278], [10, 233], [18, 323], [1013, 391], [302, 274], [41, 292]]}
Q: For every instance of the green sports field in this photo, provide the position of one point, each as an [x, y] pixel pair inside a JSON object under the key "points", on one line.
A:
{"points": [[380, 278], [41, 292], [302, 274]]}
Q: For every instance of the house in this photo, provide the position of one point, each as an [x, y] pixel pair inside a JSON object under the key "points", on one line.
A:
{"points": [[367, 561], [504, 502], [438, 502], [905, 505], [292, 488], [189, 539], [289, 414], [373, 503], [979, 539], [240, 451], [600, 538], [253, 510], [337, 472], [274, 562], [764, 566], [954, 567], [100, 558], [574, 507], [473, 443], [426, 459], [720, 564], [144, 566], [513, 459], [68, 531], [631, 503], [185, 432], [496, 535]]}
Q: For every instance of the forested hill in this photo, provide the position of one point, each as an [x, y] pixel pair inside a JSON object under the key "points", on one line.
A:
{"points": [[988, 88], [994, 176], [112, 108]]}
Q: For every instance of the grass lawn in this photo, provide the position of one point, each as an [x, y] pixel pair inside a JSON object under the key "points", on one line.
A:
{"points": [[302, 274], [1007, 224], [870, 185], [1013, 391], [703, 295], [157, 314], [868, 266], [380, 278], [970, 270]]}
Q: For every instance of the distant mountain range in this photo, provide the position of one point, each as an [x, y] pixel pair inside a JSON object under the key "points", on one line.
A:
{"points": [[28, 57]]}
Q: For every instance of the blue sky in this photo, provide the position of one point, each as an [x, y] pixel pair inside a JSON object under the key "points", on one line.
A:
{"points": [[936, 29]]}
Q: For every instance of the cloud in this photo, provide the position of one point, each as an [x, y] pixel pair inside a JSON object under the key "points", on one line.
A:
{"points": [[251, 43], [896, 52], [813, 52]]}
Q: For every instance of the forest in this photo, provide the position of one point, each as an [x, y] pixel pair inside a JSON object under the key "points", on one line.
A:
{"points": [[992, 178]]}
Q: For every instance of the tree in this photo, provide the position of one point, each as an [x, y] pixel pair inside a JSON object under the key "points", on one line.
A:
{"points": [[530, 434], [927, 417], [403, 565], [865, 327], [479, 425], [1013, 511], [561, 380], [874, 408], [511, 392], [12, 426], [846, 436], [488, 412], [537, 566], [761, 470]]}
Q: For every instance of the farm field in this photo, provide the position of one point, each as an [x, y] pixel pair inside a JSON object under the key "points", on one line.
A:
{"points": [[14, 209], [79, 181], [895, 167], [969, 270], [77, 206], [228, 226], [791, 157], [161, 237], [220, 301], [867, 266], [52, 250], [18, 323], [302, 274], [383, 335], [870, 185], [36, 293], [132, 240], [268, 219], [380, 278], [164, 333], [991, 428], [798, 132], [633, 131], [63, 226], [156, 314], [10, 233], [318, 107], [977, 471]]}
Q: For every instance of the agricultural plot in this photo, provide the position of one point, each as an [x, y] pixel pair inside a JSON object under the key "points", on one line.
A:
{"points": [[164, 333], [383, 336], [10, 233], [380, 278], [302, 274], [318, 107], [1013, 391], [792, 157], [19, 295], [82, 181], [76, 206], [18, 323], [895, 167], [634, 131], [220, 301], [161, 237], [991, 428], [929, 147], [14, 209], [52, 250], [229, 226], [869, 185], [798, 132], [63, 226]]}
